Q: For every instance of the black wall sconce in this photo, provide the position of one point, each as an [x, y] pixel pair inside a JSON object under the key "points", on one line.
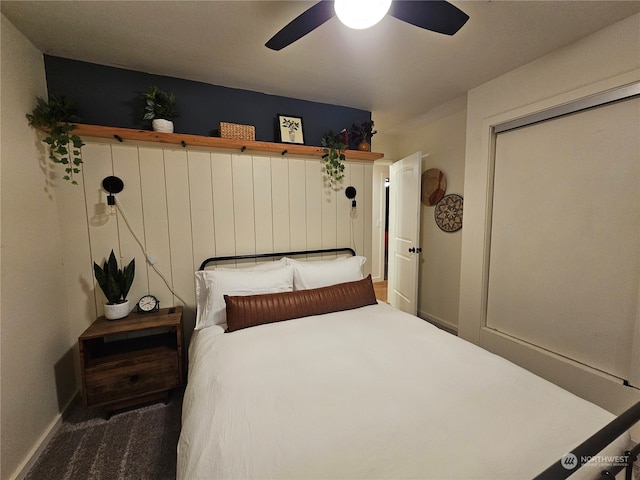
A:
{"points": [[112, 185], [350, 192]]}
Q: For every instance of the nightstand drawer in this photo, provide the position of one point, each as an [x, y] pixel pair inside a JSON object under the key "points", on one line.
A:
{"points": [[130, 377]]}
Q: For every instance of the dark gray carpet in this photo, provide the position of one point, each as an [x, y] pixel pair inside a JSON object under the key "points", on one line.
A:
{"points": [[137, 444]]}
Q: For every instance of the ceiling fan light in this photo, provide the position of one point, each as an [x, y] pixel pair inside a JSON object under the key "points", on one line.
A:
{"points": [[360, 14]]}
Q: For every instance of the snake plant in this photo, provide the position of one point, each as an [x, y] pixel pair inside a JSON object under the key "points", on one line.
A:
{"points": [[115, 282]]}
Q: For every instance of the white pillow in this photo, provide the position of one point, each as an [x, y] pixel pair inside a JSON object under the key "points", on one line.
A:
{"points": [[261, 266], [316, 274], [201, 280], [212, 285]]}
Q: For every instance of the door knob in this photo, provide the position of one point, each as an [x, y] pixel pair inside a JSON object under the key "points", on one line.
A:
{"points": [[412, 250], [415, 250]]}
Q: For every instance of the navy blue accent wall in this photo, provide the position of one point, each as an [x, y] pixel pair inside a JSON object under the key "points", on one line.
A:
{"points": [[109, 96]]}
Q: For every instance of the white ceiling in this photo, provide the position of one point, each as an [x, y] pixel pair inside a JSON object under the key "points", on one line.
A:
{"points": [[396, 70]]}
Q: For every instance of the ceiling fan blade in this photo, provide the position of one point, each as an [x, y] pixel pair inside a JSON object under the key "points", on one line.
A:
{"points": [[436, 15], [306, 22]]}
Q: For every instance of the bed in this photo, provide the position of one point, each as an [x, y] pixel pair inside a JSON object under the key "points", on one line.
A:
{"points": [[359, 390]]}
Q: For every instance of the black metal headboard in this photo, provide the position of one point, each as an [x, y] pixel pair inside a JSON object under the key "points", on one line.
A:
{"points": [[270, 255]]}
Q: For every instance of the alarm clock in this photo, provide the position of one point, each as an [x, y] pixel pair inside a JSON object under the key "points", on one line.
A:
{"points": [[148, 303]]}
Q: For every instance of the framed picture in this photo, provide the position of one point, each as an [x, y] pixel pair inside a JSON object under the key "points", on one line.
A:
{"points": [[290, 129]]}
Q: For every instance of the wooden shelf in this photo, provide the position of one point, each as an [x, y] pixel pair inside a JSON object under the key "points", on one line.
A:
{"points": [[187, 140]]}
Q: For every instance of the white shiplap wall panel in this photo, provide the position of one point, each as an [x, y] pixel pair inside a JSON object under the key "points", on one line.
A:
{"points": [[343, 211], [223, 211], [313, 186], [345, 221], [126, 166], [262, 204], [103, 230], [329, 200], [156, 227], [357, 181], [244, 214], [297, 204], [280, 204], [179, 221], [186, 205], [201, 203]]}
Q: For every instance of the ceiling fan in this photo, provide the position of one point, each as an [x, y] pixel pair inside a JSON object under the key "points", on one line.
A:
{"points": [[435, 15]]}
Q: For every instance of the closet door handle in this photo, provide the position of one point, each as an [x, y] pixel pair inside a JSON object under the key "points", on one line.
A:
{"points": [[412, 250], [415, 250]]}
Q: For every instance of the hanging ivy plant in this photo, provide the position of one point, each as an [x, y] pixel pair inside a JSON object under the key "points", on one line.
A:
{"points": [[56, 118], [333, 157]]}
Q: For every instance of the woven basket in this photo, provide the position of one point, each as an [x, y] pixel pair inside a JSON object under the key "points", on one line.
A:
{"points": [[239, 132]]}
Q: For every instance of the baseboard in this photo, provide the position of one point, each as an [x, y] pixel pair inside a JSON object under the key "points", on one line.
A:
{"points": [[439, 322], [21, 472]]}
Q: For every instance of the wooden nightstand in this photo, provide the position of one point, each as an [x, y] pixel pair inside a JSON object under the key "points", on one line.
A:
{"points": [[135, 360]]}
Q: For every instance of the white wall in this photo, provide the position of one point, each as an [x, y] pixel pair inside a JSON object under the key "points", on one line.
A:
{"points": [[601, 61], [36, 340]]}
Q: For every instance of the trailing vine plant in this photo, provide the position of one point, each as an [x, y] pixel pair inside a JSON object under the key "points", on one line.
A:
{"points": [[333, 157], [56, 118]]}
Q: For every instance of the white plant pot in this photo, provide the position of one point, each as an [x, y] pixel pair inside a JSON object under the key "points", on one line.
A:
{"points": [[162, 125], [119, 310]]}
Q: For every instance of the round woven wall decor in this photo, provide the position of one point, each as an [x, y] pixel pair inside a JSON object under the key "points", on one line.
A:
{"points": [[433, 187], [448, 213]]}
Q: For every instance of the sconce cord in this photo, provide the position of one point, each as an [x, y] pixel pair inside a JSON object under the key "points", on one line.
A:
{"points": [[150, 260], [353, 240]]}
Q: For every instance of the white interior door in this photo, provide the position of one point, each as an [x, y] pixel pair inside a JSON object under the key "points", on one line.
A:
{"points": [[404, 232]]}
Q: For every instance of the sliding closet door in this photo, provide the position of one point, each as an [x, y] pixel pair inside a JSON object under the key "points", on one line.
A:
{"points": [[564, 268]]}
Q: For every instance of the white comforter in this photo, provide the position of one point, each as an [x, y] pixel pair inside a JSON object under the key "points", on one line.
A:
{"points": [[369, 393]]}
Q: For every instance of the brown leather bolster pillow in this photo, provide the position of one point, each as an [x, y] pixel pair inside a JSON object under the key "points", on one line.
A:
{"points": [[250, 310]]}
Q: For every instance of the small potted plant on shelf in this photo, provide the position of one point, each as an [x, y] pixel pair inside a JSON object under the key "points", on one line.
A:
{"points": [[159, 107], [115, 284], [362, 135], [56, 118], [333, 157]]}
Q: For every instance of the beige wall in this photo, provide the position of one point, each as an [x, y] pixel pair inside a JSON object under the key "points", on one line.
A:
{"points": [[599, 62], [36, 342], [441, 139], [440, 136]]}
